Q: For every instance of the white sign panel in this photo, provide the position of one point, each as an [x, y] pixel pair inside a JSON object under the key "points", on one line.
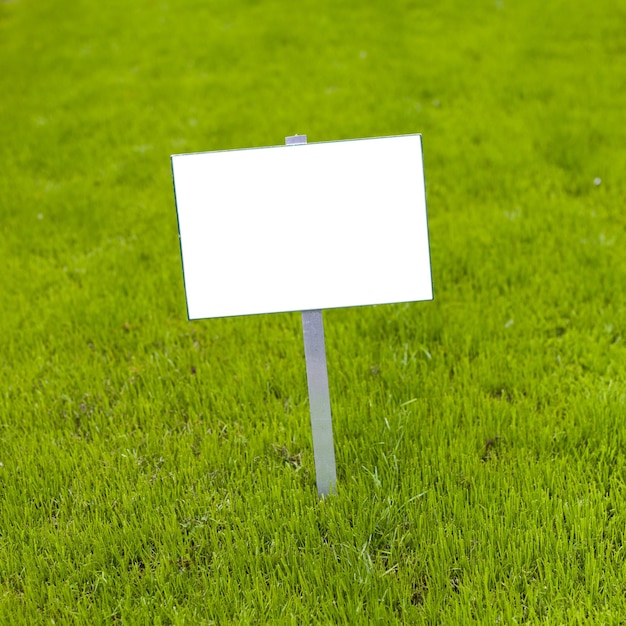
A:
{"points": [[295, 228]]}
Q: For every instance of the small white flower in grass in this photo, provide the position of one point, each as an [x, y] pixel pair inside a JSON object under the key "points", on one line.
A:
{"points": [[509, 324], [597, 181], [39, 216]]}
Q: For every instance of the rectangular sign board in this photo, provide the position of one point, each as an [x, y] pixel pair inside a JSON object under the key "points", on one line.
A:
{"points": [[306, 227]]}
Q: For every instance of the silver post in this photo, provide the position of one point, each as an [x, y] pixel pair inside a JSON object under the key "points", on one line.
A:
{"points": [[319, 401], [319, 395]]}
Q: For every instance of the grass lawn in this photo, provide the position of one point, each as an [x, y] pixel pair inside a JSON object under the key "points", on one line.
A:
{"points": [[159, 471]]}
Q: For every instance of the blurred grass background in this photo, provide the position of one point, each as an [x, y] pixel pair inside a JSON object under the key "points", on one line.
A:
{"points": [[159, 470]]}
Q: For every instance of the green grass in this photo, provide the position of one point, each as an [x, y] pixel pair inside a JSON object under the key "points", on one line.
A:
{"points": [[157, 471]]}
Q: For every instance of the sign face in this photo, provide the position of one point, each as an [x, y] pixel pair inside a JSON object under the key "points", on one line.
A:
{"points": [[303, 227]]}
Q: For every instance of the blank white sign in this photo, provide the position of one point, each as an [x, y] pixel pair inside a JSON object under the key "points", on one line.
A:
{"points": [[303, 227]]}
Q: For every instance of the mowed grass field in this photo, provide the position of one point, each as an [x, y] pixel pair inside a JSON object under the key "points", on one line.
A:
{"points": [[157, 471]]}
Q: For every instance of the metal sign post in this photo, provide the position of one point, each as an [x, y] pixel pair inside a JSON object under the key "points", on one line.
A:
{"points": [[319, 402], [319, 395]]}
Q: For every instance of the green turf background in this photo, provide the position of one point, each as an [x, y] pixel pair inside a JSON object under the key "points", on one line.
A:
{"points": [[159, 471]]}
